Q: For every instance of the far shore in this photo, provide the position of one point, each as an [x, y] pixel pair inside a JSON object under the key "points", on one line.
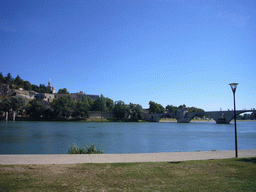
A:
{"points": [[166, 120], [199, 120]]}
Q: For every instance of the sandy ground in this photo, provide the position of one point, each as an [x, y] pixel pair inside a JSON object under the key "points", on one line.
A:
{"points": [[118, 158]]}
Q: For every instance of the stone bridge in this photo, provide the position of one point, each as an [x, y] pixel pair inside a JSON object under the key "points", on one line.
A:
{"points": [[182, 116]]}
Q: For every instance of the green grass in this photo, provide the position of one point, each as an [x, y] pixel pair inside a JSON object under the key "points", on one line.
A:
{"points": [[210, 175]]}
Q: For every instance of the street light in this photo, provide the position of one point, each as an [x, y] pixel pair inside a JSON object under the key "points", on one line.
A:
{"points": [[233, 87]]}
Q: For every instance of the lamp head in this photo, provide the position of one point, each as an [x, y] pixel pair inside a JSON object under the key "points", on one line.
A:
{"points": [[233, 86]]}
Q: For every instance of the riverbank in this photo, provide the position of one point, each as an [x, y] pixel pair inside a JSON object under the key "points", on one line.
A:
{"points": [[202, 120], [235, 174]]}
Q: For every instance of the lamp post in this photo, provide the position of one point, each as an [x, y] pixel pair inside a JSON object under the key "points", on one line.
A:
{"points": [[233, 87]]}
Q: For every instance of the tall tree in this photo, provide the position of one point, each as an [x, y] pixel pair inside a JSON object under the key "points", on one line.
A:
{"points": [[63, 106], [100, 104], [19, 82], [120, 110], [88, 101], [9, 78], [109, 104], [136, 112], [81, 110], [2, 79]]}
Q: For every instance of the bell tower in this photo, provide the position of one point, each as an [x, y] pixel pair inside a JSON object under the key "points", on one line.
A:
{"points": [[50, 87], [49, 83]]}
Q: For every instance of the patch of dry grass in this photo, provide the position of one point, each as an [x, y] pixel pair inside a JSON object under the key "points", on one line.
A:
{"points": [[211, 175]]}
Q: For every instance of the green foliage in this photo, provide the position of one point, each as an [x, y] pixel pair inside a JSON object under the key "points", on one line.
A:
{"points": [[155, 107], [35, 109], [87, 150], [63, 106], [109, 104], [171, 108], [17, 102], [136, 112], [8, 78], [27, 85], [18, 81], [194, 109], [6, 104], [48, 114], [63, 91], [99, 104], [120, 110], [81, 110], [88, 101], [43, 89], [34, 88], [2, 79]]}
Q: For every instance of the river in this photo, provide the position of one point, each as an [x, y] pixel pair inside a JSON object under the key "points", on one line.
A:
{"points": [[56, 137]]}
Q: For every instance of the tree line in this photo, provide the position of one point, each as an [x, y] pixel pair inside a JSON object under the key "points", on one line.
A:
{"points": [[17, 82], [66, 107], [158, 108]]}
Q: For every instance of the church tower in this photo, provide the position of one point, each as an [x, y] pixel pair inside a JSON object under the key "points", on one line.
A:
{"points": [[49, 83], [53, 89]]}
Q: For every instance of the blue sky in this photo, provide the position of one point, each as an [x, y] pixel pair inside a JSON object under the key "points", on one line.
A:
{"points": [[167, 51]]}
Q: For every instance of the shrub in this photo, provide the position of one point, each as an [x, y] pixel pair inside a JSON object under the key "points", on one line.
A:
{"points": [[87, 150]]}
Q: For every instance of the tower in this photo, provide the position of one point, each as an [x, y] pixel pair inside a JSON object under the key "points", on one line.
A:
{"points": [[50, 87], [49, 83]]}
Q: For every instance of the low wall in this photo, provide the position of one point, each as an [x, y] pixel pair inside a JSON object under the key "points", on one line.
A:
{"points": [[97, 115]]}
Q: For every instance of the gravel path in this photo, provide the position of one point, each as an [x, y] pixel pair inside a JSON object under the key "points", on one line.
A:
{"points": [[118, 158]]}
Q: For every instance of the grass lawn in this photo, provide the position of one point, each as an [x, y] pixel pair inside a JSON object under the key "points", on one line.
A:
{"points": [[210, 175]]}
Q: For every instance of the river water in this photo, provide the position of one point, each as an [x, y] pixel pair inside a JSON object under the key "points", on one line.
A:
{"points": [[56, 137]]}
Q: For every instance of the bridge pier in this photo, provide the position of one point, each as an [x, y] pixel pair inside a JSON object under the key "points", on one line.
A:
{"points": [[222, 121], [183, 120]]}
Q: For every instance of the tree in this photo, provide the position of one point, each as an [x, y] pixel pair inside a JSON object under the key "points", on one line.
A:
{"points": [[2, 79], [194, 109], [43, 89], [5, 106], [136, 112], [88, 101], [155, 107], [27, 85], [18, 81], [35, 109], [81, 110], [9, 78], [17, 102], [35, 88], [171, 108], [109, 104], [63, 106], [120, 110], [63, 91], [100, 104]]}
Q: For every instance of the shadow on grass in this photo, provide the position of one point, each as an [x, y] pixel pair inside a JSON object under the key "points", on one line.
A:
{"points": [[175, 162], [248, 160]]}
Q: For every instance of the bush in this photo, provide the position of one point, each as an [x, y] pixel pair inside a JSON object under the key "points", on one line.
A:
{"points": [[87, 150]]}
